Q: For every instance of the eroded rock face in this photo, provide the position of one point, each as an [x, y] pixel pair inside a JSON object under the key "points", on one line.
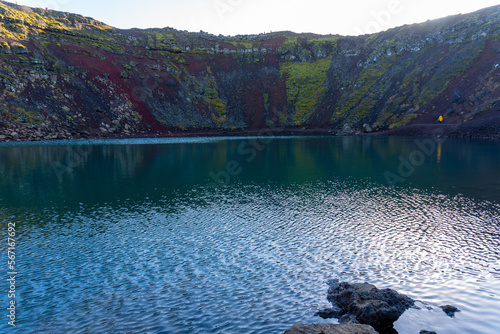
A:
{"points": [[366, 304], [74, 73], [300, 328]]}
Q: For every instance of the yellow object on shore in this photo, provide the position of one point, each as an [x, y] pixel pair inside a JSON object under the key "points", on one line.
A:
{"points": [[441, 118]]}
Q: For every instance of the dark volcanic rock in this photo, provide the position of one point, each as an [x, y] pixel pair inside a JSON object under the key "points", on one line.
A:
{"points": [[379, 308], [450, 310], [427, 332], [328, 313], [300, 328]]}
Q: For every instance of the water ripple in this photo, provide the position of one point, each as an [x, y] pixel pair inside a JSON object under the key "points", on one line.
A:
{"points": [[251, 259]]}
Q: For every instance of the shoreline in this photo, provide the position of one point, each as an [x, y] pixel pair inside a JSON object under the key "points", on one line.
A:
{"points": [[489, 131], [89, 80]]}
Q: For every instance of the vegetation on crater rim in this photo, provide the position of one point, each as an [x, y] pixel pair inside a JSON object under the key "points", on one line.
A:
{"points": [[385, 80]]}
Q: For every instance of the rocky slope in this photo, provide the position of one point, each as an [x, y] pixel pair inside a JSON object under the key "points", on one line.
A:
{"points": [[66, 76]]}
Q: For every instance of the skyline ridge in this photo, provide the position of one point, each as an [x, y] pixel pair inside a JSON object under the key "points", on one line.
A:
{"points": [[344, 21]]}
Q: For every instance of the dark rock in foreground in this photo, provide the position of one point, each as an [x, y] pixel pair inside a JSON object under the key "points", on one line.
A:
{"points": [[450, 310], [366, 304], [362, 308], [300, 328], [328, 313]]}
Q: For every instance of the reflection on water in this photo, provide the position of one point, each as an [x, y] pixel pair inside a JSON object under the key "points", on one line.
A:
{"points": [[136, 237], [439, 150], [106, 173]]}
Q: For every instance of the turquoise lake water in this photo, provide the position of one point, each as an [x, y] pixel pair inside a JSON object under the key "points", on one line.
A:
{"points": [[239, 235]]}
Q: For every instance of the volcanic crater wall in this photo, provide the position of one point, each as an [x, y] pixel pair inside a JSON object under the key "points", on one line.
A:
{"points": [[66, 76]]}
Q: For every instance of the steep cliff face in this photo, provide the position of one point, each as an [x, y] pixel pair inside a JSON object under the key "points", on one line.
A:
{"points": [[66, 76]]}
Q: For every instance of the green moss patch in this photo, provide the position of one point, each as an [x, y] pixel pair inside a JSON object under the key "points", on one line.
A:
{"points": [[305, 87], [363, 99]]}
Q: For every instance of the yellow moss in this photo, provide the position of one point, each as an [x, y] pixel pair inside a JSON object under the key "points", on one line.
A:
{"points": [[244, 44], [402, 120]]}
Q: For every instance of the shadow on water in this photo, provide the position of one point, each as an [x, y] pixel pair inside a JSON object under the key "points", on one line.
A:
{"points": [[48, 175]]}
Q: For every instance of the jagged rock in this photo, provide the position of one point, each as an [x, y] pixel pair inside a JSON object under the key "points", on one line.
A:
{"points": [[328, 313], [18, 48], [379, 308], [346, 130], [367, 127], [300, 328], [450, 310], [427, 332], [5, 48]]}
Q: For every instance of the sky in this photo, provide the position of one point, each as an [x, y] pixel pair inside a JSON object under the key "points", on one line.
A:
{"points": [[233, 17]]}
